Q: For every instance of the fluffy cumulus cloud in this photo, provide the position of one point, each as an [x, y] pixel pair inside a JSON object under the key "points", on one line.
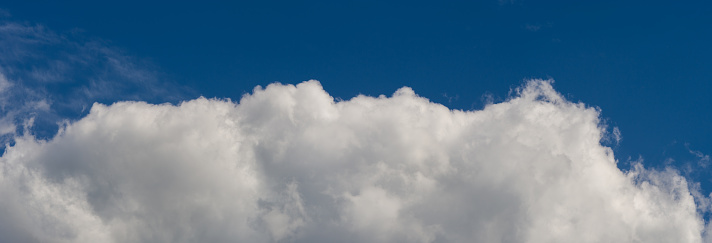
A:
{"points": [[289, 164]]}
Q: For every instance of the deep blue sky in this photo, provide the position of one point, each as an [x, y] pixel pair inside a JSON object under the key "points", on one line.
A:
{"points": [[646, 64]]}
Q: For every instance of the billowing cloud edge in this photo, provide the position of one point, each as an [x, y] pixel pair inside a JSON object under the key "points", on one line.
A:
{"points": [[288, 163]]}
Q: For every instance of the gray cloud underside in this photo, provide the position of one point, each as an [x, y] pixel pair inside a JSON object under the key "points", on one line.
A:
{"points": [[289, 164]]}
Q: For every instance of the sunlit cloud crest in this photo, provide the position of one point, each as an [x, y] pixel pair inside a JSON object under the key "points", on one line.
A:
{"points": [[288, 163]]}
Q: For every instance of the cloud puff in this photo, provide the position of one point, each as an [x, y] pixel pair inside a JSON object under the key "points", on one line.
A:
{"points": [[289, 164]]}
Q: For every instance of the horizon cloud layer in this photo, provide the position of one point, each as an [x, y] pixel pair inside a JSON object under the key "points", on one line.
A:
{"points": [[290, 164]]}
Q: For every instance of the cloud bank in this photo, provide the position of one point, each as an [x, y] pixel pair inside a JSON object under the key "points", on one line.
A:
{"points": [[289, 164]]}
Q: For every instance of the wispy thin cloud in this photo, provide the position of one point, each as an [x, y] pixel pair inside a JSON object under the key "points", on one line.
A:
{"points": [[68, 72], [532, 27], [535, 27], [703, 159]]}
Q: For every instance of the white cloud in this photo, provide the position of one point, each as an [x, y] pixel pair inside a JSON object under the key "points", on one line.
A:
{"points": [[617, 135], [7, 124], [288, 163]]}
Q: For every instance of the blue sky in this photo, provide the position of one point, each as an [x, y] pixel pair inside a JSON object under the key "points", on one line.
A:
{"points": [[645, 64]]}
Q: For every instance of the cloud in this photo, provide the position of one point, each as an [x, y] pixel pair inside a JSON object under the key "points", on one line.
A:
{"points": [[703, 159], [289, 164], [617, 135], [532, 27], [42, 69]]}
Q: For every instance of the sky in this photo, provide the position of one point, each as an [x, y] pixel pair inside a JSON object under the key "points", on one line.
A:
{"points": [[420, 109]]}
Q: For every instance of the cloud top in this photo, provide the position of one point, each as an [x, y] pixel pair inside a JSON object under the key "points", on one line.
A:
{"points": [[289, 164]]}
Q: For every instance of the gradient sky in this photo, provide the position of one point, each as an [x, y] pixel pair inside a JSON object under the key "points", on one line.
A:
{"points": [[645, 64]]}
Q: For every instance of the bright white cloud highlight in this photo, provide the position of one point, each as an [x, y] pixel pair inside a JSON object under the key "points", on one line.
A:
{"points": [[290, 164]]}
